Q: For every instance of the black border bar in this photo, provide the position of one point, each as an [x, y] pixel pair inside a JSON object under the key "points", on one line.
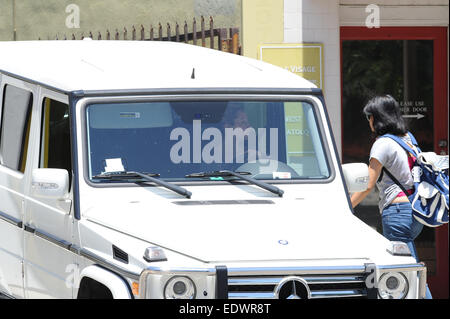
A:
{"points": [[221, 282]]}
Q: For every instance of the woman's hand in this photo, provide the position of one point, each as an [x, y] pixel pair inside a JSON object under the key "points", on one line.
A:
{"points": [[375, 168]]}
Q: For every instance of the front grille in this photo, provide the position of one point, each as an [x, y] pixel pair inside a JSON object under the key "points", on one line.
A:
{"points": [[320, 285]]}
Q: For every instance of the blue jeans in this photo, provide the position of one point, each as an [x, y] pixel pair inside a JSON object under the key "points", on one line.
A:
{"points": [[400, 225]]}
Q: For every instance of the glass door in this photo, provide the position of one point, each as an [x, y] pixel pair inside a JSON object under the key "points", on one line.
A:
{"points": [[411, 65]]}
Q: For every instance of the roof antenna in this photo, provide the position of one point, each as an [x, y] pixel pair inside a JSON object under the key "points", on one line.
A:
{"points": [[193, 73]]}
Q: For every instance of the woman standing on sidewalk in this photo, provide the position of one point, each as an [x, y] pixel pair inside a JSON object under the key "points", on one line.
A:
{"points": [[384, 117]]}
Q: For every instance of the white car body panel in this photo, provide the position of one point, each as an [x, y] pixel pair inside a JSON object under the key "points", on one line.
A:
{"points": [[172, 62], [218, 233]]}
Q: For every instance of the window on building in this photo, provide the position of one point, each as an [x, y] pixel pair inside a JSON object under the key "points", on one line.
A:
{"points": [[15, 127], [55, 137]]}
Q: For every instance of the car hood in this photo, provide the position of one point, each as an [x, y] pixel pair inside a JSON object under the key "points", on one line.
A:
{"points": [[245, 231]]}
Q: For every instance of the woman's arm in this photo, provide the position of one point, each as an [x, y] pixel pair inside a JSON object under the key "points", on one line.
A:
{"points": [[374, 172]]}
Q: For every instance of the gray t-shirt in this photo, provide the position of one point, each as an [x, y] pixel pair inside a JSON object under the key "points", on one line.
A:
{"points": [[395, 159]]}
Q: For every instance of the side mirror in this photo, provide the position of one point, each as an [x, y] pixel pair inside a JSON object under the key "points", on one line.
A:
{"points": [[356, 176], [51, 183]]}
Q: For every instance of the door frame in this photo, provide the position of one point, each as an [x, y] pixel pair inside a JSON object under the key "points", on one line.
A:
{"points": [[439, 284], [51, 225]]}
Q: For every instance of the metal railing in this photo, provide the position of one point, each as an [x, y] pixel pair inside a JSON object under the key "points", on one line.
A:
{"points": [[223, 39]]}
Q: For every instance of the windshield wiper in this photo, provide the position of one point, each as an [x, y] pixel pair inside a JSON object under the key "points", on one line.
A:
{"points": [[241, 175], [118, 176]]}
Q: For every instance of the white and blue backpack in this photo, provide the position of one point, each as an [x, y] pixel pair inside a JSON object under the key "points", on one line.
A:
{"points": [[429, 200]]}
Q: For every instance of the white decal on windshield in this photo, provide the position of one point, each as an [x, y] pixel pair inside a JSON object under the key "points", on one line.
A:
{"points": [[114, 165]]}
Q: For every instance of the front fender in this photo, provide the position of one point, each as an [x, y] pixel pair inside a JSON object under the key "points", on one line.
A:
{"points": [[115, 283]]}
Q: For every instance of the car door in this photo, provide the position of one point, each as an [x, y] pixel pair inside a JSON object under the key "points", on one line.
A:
{"points": [[16, 102], [49, 222]]}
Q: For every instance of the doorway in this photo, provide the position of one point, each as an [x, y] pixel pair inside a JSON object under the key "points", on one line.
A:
{"points": [[409, 63]]}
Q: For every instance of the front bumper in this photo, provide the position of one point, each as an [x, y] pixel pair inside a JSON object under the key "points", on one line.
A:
{"points": [[221, 282]]}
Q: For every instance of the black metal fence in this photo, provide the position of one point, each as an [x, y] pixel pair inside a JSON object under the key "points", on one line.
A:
{"points": [[223, 39]]}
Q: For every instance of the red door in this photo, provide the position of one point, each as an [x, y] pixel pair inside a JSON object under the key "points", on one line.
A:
{"points": [[409, 63]]}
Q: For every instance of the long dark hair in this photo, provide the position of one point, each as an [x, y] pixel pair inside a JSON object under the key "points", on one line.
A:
{"points": [[387, 118]]}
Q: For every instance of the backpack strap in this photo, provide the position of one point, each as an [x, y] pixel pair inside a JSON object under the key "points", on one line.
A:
{"points": [[403, 144], [407, 148], [396, 182], [414, 142]]}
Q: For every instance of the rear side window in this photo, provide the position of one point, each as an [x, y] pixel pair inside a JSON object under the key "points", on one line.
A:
{"points": [[15, 127]]}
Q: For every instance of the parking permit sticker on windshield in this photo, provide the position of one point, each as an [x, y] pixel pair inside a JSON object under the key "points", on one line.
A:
{"points": [[281, 175], [114, 165]]}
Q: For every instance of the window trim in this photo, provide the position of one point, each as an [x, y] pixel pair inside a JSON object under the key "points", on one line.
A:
{"points": [[43, 130], [58, 97]]}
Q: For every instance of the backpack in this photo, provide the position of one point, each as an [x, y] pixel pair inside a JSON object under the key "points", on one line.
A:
{"points": [[429, 200]]}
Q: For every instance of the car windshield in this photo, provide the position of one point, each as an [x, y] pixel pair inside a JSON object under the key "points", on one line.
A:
{"points": [[190, 140]]}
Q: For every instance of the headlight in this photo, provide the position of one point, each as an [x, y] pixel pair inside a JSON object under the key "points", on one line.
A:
{"points": [[393, 285], [179, 287]]}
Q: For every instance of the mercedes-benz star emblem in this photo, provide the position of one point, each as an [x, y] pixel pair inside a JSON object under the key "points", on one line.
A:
{"points": [[292, 288]]}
